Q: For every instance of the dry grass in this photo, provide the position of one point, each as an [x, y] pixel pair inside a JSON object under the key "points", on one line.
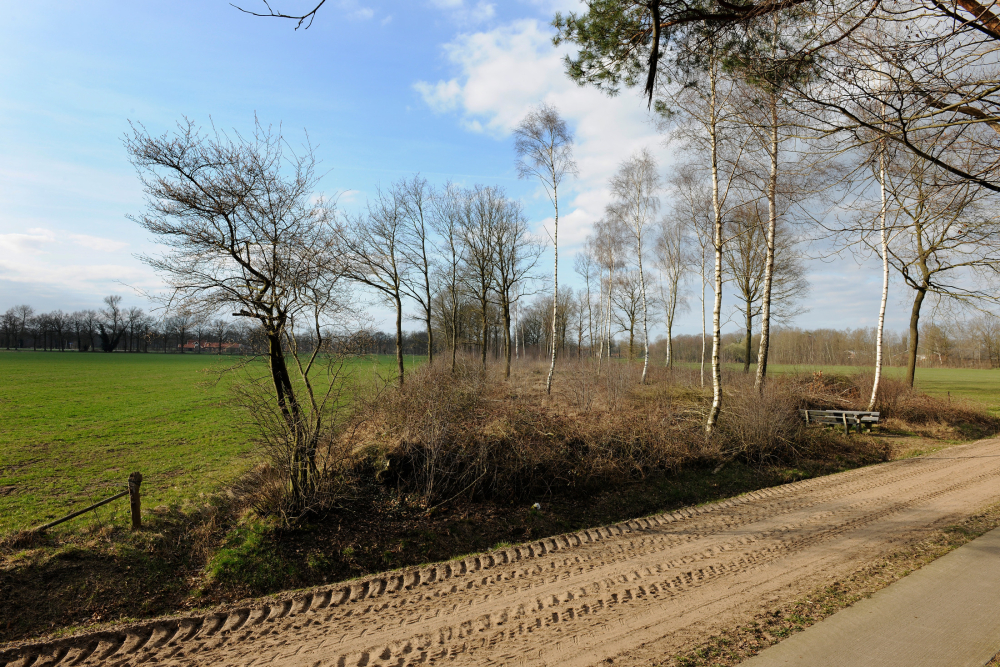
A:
{"points": [[472, 433]]}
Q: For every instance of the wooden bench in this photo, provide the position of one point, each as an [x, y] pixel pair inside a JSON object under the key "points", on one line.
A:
{"points": [[846, 418]]}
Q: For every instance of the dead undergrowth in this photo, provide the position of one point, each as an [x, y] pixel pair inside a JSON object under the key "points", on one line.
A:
{"points": [[452, 464]]}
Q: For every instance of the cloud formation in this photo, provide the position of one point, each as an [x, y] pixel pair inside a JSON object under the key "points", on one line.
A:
{"points": [[503, 72]]}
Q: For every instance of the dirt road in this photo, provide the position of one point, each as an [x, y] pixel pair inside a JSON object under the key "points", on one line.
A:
{"points": [[636, 592]]}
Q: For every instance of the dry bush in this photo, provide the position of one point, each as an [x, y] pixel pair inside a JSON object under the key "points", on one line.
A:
{"points": [[760, 427], [274, 486], [471, 433], [896, 402]]}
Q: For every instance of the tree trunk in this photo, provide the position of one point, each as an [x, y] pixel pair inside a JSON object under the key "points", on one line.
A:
{"points": [[772, 219], [911, 369], [748, 338], [506, 340], [555, 286], [885, 281], [590, 319], [399, 337], [454, 331], [301, 466], [486, 334], [645, 325], [704, 283], [713, 413]]}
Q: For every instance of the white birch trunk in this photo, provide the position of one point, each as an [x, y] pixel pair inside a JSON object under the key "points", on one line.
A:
{"points": [[704, 283], [885, 279], [772, 219], [555, 285], [645, 325], [713, 413]]}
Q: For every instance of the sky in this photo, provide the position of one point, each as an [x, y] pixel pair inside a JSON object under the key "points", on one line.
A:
{"points": [[382, 90]]}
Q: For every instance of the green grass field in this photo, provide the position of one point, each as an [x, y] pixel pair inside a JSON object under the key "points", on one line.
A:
{"points": [[73, 426], [980, 385]]}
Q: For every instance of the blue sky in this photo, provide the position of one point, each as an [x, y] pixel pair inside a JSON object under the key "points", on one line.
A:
{"points": [[383, 89]]}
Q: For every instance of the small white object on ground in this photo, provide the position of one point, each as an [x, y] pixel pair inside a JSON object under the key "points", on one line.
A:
{"points": [[536, 506]]}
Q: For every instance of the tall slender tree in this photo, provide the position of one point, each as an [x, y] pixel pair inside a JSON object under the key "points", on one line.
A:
{"points": [[635, 187], [544, 148]]}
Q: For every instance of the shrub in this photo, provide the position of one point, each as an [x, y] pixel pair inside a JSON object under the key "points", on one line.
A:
{"points": [[761, 427]]}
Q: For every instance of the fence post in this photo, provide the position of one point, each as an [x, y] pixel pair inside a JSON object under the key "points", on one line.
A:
{"points": [[135, 503]]}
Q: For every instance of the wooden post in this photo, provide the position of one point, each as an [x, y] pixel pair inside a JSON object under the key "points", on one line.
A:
{"points": [[135, 504]]}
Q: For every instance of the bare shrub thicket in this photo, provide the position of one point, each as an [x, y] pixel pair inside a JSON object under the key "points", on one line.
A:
{"points": [[471, 433], [761, 427], [332, 391], [897, 402]]}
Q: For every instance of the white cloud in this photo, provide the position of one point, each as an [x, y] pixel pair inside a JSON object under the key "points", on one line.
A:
{"points": [[33, 242], [348, 197], [503, 72], [97, 243], [356, 11], [466, 13]]}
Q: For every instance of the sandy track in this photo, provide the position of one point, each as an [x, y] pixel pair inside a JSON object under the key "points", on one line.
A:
{"points": [[637, 591]]}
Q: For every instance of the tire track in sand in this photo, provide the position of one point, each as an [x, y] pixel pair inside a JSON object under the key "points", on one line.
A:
{"points": [[643, 585]]}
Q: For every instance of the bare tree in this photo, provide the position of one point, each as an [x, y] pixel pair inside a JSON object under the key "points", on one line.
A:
{"points": [[515, 255], [635, 187], [746, 261], [585, 265], [544, 148], [447, 222], [672, 260], [111, 326], [219, 329], [242, 232], [693, 205], [418, 205], [482, 212], [628, 305], [948, 237], [23, 314], [609, 236], [9, 324], [373, 249]]}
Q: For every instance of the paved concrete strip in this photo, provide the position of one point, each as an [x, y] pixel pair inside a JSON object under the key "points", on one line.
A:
{"points": [[945, 614]]}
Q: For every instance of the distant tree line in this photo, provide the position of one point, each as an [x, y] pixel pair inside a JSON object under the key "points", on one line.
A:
{"points": [[115, 328], [970, 344]]}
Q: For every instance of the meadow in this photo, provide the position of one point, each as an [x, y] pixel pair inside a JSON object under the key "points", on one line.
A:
{"points": [[73, 426], [976, 384]]}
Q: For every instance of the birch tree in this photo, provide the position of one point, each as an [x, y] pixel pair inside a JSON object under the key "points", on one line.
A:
{"points": [[544, 148], [635, 187], [672, 261], [753, 267]]}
